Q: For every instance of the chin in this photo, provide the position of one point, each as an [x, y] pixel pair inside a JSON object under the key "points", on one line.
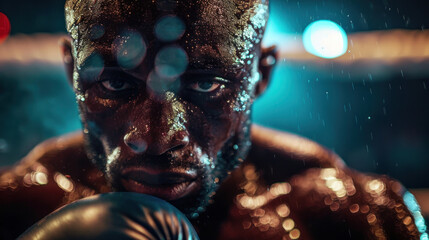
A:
{"points": [[191, 203]]}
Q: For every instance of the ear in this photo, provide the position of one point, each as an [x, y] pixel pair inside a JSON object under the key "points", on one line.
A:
{"points": [[66, 50], [266, 64]]}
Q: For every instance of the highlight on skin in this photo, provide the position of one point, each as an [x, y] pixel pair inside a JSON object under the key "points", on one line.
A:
{"points": [[191, 85]]}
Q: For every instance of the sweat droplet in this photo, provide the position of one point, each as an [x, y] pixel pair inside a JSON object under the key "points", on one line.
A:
{"points": [[169, 28], [171, 62], [130, 49]]}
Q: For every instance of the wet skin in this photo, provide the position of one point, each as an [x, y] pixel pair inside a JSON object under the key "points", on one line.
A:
{"points": [[154, 127], [172, 129], [286, 187]]}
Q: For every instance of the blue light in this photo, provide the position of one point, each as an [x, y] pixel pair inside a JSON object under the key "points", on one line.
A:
{"points": [[169, 28], [171, 61], [325, 39], [411, 202]]}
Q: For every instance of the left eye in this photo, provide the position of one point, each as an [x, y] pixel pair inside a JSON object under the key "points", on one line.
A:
{"points": [[204, 86], [116, 84]]}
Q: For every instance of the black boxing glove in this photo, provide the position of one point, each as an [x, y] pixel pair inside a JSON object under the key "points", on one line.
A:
{"points": [[114, 216]]}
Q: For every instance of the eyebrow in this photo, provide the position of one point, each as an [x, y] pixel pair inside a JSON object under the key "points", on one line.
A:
{"points": [[215, 75], [225, 75], [211, 65]]}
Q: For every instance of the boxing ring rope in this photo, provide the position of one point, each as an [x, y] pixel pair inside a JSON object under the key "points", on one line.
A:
{"points": [[392, 47]]}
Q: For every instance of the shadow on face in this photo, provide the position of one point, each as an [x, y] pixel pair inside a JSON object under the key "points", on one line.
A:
{"points": [[165, 89]]}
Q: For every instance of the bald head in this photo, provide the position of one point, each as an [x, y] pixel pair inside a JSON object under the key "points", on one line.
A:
{"points": [[237, 24]]}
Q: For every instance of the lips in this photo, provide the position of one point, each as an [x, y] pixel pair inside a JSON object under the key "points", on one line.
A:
{"points": [[171, 184]]}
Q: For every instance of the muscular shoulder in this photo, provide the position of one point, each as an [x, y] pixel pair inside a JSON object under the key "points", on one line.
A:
{"points": [[47, 178], [281, 154], [323, 203], [368, 206], [296, 188], [64, 155]]}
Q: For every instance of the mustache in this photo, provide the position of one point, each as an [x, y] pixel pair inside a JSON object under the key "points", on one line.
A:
{"points": [[161, 162]]}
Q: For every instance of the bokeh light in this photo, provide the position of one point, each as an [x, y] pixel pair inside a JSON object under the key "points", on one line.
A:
{"points": [[4, 27], [169, 28], [159, 84], [411, 202], [130, 49], [171, 62], [92, 67], [325, 39]]}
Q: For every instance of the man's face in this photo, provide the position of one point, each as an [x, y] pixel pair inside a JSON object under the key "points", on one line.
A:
{"points": [[165, 90]]}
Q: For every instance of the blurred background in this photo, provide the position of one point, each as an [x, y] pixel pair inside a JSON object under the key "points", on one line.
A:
{"points": [[357, 84]]}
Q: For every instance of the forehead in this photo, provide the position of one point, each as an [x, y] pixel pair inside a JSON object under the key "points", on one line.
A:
{"points": [[212, 32]]}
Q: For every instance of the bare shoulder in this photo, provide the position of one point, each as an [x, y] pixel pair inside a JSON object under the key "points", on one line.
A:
{"points": [[54, 173], [294, 187], [63, 154], [373, 206], [282, 154]]}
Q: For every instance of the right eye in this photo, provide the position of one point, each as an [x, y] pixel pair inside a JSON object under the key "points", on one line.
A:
{"points": [[116, 84]]}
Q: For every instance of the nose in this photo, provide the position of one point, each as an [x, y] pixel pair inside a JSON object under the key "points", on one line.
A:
{"points": [[157, 125], [155, 145]]}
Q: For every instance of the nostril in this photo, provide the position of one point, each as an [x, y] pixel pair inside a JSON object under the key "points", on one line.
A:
{"points": [[137, 147], [136, 144], [133, 146], [180, 143], [176, 147], [173, 144]]}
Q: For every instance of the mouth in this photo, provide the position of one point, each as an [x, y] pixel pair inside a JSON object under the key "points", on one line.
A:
{"points": [[171, 184]]}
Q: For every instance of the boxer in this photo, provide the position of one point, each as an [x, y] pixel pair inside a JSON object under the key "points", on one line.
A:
{"points": [[165, 90]]}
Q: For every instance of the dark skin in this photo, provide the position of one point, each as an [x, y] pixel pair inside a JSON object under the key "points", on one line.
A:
{"points": [[192, 127]]}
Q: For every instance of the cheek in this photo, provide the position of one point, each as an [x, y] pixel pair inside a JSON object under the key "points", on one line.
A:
{"points": [[236, 114], [95, 104], [212, 124], [105, 119]]}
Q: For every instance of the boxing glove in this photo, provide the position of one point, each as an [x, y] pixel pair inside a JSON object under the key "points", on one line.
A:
{"points": [[114, 216]]}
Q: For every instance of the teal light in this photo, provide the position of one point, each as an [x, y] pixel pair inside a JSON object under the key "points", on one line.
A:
{"points": [[325, 39], [411, 202]]}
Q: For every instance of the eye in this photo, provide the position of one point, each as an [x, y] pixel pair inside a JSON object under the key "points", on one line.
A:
{"points": [[205, 86], [116, 84]]}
